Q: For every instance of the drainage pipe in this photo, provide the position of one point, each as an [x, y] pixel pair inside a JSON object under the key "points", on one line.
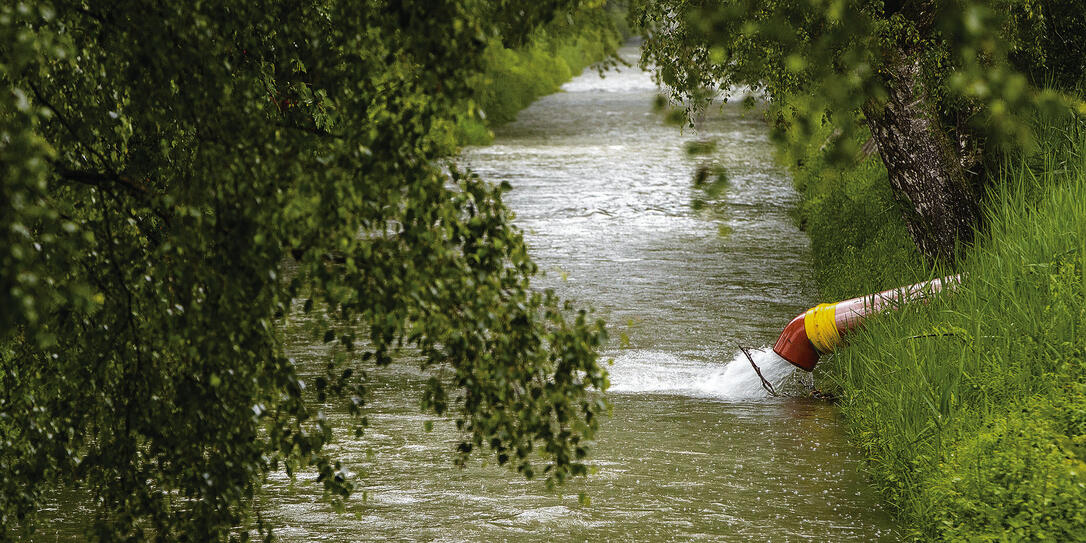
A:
{"points": [[819, 330]]}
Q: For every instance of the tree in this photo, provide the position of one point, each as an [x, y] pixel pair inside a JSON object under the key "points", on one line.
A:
{"points": [[942, 87], [161, 161]]}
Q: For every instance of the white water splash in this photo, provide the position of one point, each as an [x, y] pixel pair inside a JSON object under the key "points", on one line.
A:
{"points": [[665, 373]]}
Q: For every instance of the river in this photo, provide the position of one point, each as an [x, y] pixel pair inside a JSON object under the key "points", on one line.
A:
{"points": [[695, 449]]}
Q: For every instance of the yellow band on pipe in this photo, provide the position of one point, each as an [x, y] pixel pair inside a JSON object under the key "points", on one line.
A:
{"points": [[820, 323]]}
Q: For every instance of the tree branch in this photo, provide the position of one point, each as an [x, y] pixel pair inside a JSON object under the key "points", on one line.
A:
{"points": [[99, 179], [765, 384]]}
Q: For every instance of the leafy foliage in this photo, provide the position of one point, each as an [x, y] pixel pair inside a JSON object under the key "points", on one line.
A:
{"points": [[1014, 479], [939, 86], [818, 60], [161, 161]]}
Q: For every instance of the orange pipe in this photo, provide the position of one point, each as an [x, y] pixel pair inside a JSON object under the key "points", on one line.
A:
{"points": [[820, 329]]}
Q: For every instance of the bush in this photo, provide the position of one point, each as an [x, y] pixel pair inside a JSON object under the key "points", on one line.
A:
{"points": [[514, 78], [1015, 478]]}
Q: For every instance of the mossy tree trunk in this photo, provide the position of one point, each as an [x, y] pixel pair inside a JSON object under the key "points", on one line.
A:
{"points": [[927, 171]]}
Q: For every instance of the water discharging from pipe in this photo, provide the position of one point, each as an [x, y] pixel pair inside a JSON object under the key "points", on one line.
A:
{"points": [[650, 372]]}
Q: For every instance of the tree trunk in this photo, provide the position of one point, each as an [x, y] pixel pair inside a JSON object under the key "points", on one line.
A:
{"points": [[925, 170]]}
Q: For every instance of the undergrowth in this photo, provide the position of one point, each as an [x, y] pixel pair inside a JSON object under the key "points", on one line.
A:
{"points": [[970, 409], [514, 77]]}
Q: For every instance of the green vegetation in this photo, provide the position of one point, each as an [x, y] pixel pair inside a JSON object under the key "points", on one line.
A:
{"points": [[513, 78], [970, 408], [943, 88], [161, 162], [858, 238]]}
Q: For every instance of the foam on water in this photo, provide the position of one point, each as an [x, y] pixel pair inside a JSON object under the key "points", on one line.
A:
{"points": [[640, 371]]}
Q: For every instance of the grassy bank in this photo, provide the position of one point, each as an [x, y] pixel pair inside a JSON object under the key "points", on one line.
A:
{"points": [[514, 77], [971, 409]]}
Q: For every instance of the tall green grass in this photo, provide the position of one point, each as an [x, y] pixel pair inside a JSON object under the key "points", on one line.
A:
{"points": [[971, 408]]}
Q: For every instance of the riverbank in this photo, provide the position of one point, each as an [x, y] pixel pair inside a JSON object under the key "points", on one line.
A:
{"points": [[971, 410], [513, 77]]}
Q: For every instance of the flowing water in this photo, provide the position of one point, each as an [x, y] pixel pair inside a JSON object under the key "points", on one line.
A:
{"points": [[695, 448]]}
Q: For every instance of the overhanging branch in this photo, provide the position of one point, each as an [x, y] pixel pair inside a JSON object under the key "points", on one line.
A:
{"points": [[100, 180]]}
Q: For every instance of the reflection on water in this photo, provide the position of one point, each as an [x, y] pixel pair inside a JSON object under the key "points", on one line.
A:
{"points": [[695, 449]]}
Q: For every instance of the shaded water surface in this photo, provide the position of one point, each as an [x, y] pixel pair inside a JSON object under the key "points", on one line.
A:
{"points": [[695, 449]]}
